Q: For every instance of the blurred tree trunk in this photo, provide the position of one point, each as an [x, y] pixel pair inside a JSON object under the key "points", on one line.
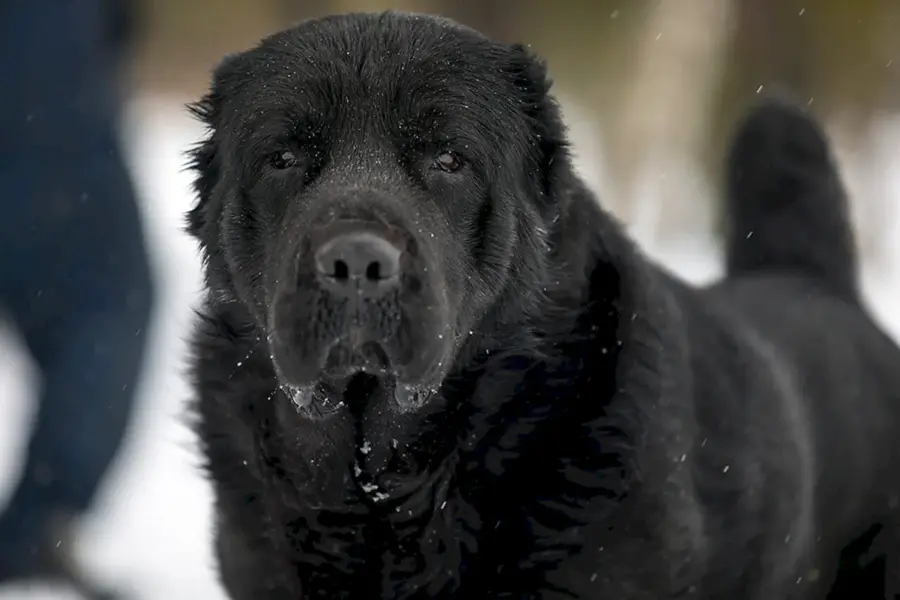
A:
{"points": [[656, 138]]}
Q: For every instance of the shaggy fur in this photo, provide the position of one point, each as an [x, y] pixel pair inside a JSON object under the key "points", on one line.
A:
{"points": [[551, 415]]}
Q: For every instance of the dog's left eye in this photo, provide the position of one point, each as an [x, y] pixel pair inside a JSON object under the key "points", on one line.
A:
{"points": [[283, 159], [449, 162]]}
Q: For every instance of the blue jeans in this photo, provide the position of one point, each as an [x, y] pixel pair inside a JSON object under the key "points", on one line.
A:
{"points": [[74, 271]]}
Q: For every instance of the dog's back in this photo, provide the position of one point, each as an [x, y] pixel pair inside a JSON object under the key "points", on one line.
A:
{"points": [[792, 271]]}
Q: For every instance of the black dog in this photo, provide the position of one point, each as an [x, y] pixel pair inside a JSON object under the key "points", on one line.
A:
{"points": [[431, 366]]}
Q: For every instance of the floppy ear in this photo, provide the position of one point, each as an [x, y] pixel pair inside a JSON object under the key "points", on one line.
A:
{"points": [[204, 159], [529, 76]]}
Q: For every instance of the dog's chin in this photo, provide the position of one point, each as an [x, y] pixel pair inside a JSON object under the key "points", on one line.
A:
{"points": [[330, 395]]}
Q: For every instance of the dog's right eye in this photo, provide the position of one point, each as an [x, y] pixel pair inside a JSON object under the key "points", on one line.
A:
{"points": [[449, 162], [283, 159]]}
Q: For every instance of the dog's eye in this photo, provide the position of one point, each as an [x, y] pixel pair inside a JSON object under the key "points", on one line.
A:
{"points": [[448, 162], [283, 159]]}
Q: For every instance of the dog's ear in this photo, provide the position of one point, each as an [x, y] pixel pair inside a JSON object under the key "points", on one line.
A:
{"points": [[528, 74], [204, 159]]}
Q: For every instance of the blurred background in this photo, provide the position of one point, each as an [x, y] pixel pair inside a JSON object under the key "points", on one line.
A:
{"points": [[651, 90]]}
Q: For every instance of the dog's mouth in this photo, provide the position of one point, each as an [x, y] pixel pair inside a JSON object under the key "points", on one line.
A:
{"points": [[353, 380]]}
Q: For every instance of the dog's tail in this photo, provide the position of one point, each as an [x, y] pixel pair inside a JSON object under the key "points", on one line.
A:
{"points": [[786, 207]]}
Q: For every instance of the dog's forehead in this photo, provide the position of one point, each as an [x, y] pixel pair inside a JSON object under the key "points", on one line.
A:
{"points": [[377, 53], [392, 75]]}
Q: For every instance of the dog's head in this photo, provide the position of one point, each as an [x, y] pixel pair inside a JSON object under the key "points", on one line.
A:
{"points": [[372, 187]]}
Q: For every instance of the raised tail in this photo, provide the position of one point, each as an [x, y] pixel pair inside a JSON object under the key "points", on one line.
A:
{"points": [[786, 207]]}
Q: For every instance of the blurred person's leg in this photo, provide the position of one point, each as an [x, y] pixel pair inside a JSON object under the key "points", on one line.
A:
{"points": [[78, 288], [74, 273]]}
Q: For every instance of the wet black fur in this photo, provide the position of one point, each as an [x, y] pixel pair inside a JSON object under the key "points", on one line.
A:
{"points": [[602, 430]]}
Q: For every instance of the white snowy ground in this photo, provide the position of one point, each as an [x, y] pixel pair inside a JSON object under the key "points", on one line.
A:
{"points": [[151, 533]]}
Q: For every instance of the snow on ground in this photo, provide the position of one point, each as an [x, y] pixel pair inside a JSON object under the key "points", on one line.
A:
{"points": [[151, 532]]}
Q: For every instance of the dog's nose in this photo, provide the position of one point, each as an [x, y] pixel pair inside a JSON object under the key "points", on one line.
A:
{"points": [[360, 263]]}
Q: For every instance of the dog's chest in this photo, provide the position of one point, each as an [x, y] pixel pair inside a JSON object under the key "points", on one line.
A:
{"points": [[452, 552]]}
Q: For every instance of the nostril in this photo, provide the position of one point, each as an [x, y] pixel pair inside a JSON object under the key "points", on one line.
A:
{"points": [[341, 270], [373, 271]]}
